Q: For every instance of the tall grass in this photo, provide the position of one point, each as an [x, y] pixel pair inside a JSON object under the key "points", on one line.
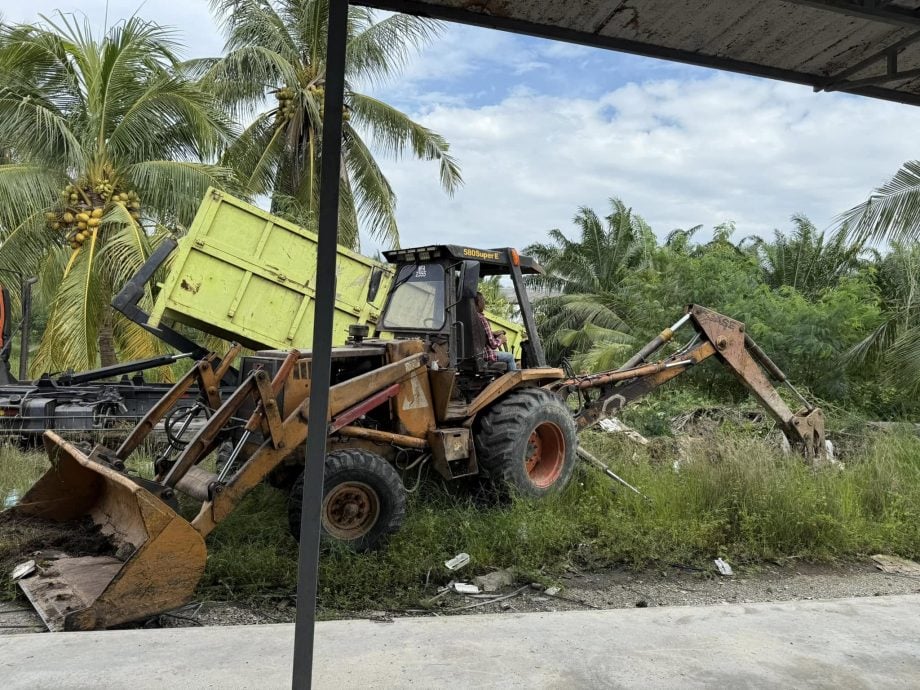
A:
{"points": [[18, 471], [733, 497]]}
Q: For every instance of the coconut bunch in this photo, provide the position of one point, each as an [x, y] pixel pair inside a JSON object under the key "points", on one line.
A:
{"points": [[79, 215], [319, 94], [285, 110]]}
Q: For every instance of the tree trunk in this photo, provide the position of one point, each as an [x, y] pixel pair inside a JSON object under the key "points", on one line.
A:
{"points": [[107, 339]]}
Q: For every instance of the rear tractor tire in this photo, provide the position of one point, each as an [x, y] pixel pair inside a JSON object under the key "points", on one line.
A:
{"points": [[526, 442], [364, 500]]}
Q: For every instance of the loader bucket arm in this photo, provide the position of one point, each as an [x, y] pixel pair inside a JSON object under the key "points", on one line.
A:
{"points": [[605, 394], [151, 558]]}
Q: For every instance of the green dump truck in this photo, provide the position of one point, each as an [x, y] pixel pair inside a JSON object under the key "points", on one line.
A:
{"points": [[245, 275]]}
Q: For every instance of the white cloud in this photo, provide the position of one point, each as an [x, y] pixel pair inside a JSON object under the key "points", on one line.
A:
{"points": [[680, 153], [191, 18]]}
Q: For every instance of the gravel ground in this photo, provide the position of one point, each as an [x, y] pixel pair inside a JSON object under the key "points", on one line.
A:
{"points": [[671, 586]]}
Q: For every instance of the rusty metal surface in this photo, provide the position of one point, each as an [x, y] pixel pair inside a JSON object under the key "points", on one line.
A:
{"points": [[499, 387], [158, 557], [822, 43]]}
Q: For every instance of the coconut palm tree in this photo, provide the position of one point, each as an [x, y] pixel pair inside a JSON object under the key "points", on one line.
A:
{"points": [[895, 343], [891, 213], [273, 74], [110, 141], [580, 314]]}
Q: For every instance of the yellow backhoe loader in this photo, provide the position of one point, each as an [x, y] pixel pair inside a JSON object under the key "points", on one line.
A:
{"points": [[429, 393]]}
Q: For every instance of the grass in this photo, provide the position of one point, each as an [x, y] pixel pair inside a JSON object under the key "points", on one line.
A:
{"points": [[733, 497]]}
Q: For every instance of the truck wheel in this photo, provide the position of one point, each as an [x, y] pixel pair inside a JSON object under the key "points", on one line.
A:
{"points": [[527, 442], [364, 500]]}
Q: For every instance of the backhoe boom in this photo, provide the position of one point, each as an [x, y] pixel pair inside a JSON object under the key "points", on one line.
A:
{"points": [[605, 394]]}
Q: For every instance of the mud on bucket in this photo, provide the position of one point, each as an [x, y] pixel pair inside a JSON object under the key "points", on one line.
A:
{"points": [[154, 557]]}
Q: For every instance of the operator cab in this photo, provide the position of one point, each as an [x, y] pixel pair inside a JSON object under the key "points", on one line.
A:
{"points": [[433, 297]]}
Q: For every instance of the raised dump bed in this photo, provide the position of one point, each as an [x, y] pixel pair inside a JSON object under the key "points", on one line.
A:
{"points": [[245, 275]]}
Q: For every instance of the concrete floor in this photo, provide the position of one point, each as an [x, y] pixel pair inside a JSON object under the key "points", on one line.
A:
{"points": [[847, 643]]}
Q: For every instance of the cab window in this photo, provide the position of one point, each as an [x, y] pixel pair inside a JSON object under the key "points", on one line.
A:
{"points": [[417, 302]]}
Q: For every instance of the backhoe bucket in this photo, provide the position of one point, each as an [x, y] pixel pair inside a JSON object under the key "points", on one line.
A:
{"points": [[154, 557]]}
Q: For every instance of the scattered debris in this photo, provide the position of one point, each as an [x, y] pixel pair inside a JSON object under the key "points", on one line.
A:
{"points": [[21, 570], [494, 581], [491, 601], [457, 562], [896, 565], [11, 499], [723, 567], [380, 617], [537, 586], [552, 591], [704, 421], [614, 425], [464, 588]]}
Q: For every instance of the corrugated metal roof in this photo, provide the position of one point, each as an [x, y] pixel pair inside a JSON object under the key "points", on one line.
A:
{"points": [[866, 47]]}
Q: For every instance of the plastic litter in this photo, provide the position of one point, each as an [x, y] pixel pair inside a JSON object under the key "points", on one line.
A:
{"points": [[723, 567], [457, 562]]}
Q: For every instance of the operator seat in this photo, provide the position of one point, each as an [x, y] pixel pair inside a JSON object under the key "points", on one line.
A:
{"points": [[474, 342]]}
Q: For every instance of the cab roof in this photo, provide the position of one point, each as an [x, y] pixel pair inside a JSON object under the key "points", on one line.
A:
{"points": [[492, 261]]}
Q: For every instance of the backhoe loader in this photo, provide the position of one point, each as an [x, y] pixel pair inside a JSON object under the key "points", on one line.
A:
{"points": [[427, 393]]}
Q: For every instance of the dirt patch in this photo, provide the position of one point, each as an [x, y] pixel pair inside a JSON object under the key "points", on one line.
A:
{"points": [[22, 536]]}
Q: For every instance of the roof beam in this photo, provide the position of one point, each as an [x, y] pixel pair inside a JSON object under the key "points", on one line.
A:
{"points": [[838, 82], [472, 17], [870, 10], [875, 81]]}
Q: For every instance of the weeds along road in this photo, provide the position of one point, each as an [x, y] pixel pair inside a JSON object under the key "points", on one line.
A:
{"points": [[603, 589]]}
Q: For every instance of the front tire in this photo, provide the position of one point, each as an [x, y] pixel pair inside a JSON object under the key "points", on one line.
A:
{"points": [[526, 442], [364, 500]]}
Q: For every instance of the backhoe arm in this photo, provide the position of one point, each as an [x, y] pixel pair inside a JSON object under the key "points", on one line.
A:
{"points": [[605, 394]]}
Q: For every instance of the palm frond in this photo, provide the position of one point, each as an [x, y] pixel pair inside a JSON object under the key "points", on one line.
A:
{"points": [[892, 211], [175, 185], [392, 131]]}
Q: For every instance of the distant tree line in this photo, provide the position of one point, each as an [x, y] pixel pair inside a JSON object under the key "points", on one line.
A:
{"points": [[842, 319]]}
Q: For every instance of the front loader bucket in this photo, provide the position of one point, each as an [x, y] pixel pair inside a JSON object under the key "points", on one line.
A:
{"points": [[155, 556]]}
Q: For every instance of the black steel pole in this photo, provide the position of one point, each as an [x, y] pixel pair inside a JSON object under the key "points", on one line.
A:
{"points": [[322, 344], [26, 326]]}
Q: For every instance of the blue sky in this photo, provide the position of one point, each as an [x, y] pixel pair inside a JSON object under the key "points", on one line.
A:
{"points": [[542, 128]]}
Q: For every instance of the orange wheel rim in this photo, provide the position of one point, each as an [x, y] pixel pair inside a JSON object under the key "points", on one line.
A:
{"points": [[350, 510], [545, 455]]}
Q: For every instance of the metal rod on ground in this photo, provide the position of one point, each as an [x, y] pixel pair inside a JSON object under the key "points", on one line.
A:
{"points": [[585, 455], [321, 366], [26, 298]]}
